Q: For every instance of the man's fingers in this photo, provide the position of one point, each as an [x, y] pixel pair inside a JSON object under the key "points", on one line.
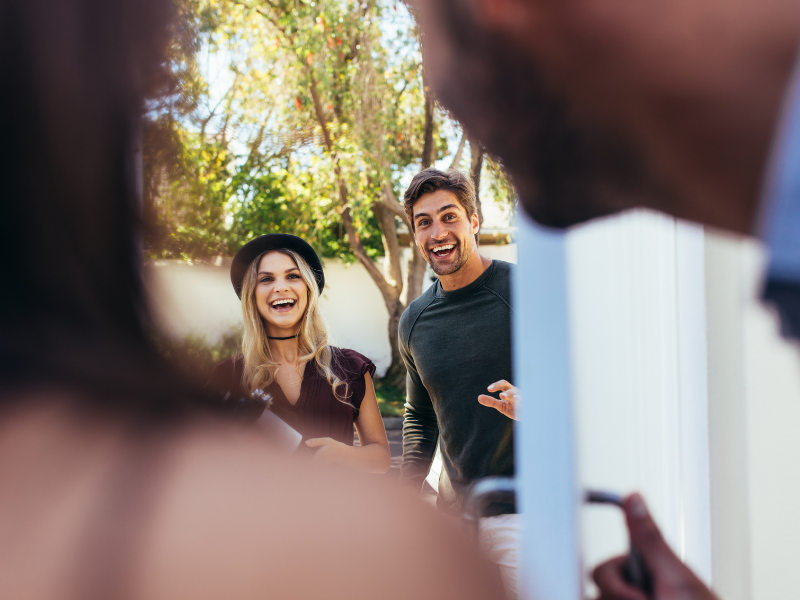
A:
{"points": [[646, 536], [315, 442], [491, 402], [666, 569], [611, 583], [501, 385]]}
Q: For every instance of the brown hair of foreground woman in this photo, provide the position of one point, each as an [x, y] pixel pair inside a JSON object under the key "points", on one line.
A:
{"points": [[113, 487]]}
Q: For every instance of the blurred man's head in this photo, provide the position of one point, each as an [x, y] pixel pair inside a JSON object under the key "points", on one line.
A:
{"points": [[442, 209], [599, 105]]}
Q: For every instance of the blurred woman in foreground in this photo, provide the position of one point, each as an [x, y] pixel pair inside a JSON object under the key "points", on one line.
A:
{"points": [[114, 483], [319, 390]]}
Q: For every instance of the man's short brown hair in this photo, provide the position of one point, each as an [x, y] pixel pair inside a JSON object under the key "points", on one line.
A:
{"points": [[432, 180]]}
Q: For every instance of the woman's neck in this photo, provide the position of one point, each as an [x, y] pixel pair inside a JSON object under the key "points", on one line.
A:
{"points": [[284, 351]]}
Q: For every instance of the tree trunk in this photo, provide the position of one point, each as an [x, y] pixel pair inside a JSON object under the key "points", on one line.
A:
{"points": [[416, 274], [428, 149], [396, 373], [416, 264], [457, 158], [386, 211], [476, 164]]}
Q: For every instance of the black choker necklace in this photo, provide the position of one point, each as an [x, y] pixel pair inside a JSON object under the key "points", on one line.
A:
{"points": [[286, 338]]}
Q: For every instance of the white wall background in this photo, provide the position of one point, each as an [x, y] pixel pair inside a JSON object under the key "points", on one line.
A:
{"points": [[199, 299]]}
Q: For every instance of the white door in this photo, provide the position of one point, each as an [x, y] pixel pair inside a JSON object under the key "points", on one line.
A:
{"points": [[610, 354]]}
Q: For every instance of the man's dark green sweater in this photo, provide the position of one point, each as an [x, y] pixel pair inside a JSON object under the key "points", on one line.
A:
{"points": [[454, 344]]}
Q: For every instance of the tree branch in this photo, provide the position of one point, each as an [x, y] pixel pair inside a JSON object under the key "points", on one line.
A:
{"points": [[391, 202], [385, 288], [460, 151], [256, 143], [476, 164], [427, 146], [323, 122], [391, 246], [389, 291]]}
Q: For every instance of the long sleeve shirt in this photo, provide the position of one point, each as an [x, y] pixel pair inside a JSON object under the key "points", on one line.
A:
{"points": [[454, 345]]}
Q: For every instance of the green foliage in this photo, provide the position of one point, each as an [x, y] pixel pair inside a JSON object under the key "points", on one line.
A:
{"points": [[391, 399], [195, 355], [499, 184], [190, 203], [298, 116], [245, 146], [289, 197]]}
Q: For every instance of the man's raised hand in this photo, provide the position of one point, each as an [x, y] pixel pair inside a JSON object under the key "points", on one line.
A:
{"points": [[509, 397]]}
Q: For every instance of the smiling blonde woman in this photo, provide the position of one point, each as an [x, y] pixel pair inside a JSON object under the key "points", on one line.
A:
{"points": [[318, 389]]}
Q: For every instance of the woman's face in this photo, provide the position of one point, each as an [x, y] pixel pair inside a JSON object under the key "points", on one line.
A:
{"points": [[281, 294]]}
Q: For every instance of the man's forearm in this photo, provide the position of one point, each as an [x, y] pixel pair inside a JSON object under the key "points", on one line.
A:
{"points": [[420, 435]]}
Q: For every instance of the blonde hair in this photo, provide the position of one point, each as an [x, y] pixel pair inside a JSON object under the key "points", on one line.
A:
{"points": [[312, 342]]}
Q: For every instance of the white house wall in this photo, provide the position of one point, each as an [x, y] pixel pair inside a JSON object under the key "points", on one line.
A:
{"points": [[198, 299]]}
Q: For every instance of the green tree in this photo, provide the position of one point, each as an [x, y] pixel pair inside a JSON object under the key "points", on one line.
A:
{"points": [[303, 121], [357, 105]]}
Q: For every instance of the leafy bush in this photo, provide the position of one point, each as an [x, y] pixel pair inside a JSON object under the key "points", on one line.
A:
{"points": [[390, 399], [195, 355]]}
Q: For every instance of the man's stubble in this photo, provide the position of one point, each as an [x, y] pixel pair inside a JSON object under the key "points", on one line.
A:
{"points": [[460, 260]]}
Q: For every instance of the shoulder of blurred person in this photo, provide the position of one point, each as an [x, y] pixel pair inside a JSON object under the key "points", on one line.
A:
{"points": [[94, 507], [598, 106]]}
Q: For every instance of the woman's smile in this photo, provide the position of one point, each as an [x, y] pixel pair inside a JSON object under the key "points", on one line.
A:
{"points": [[283, 305]]}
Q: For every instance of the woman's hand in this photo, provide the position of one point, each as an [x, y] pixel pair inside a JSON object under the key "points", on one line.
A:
{"points": [[373, 455], [329, 451], [509, 397]]}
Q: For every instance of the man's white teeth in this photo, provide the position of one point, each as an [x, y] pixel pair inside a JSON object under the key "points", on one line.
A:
{"points": [[443, 248]]}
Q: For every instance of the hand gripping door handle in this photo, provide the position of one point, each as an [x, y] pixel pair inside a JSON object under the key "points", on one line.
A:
{"points": [[636, 572], [489, 490]]}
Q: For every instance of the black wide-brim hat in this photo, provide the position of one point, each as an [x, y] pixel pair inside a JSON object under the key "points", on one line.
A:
{"points": [[273, 241]]}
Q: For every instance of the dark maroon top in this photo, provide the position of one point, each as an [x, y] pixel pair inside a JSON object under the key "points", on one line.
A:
{"points": [[317, 413]]}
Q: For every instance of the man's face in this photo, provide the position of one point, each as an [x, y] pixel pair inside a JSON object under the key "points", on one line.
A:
{"points": [[595, 106], [443, 232]]}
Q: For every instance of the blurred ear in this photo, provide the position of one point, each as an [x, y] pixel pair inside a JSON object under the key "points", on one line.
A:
{"points": [[476, 223]]}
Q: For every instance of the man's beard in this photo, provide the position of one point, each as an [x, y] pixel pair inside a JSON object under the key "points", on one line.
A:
{"points": [[450, 268], [565, 171]]}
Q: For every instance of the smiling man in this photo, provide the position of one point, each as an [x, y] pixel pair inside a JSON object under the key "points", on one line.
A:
{"points": [[456, 340], [596, 106]]}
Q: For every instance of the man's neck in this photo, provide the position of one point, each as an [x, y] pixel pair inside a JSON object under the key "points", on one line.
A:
{"points": [[472, 269]]}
